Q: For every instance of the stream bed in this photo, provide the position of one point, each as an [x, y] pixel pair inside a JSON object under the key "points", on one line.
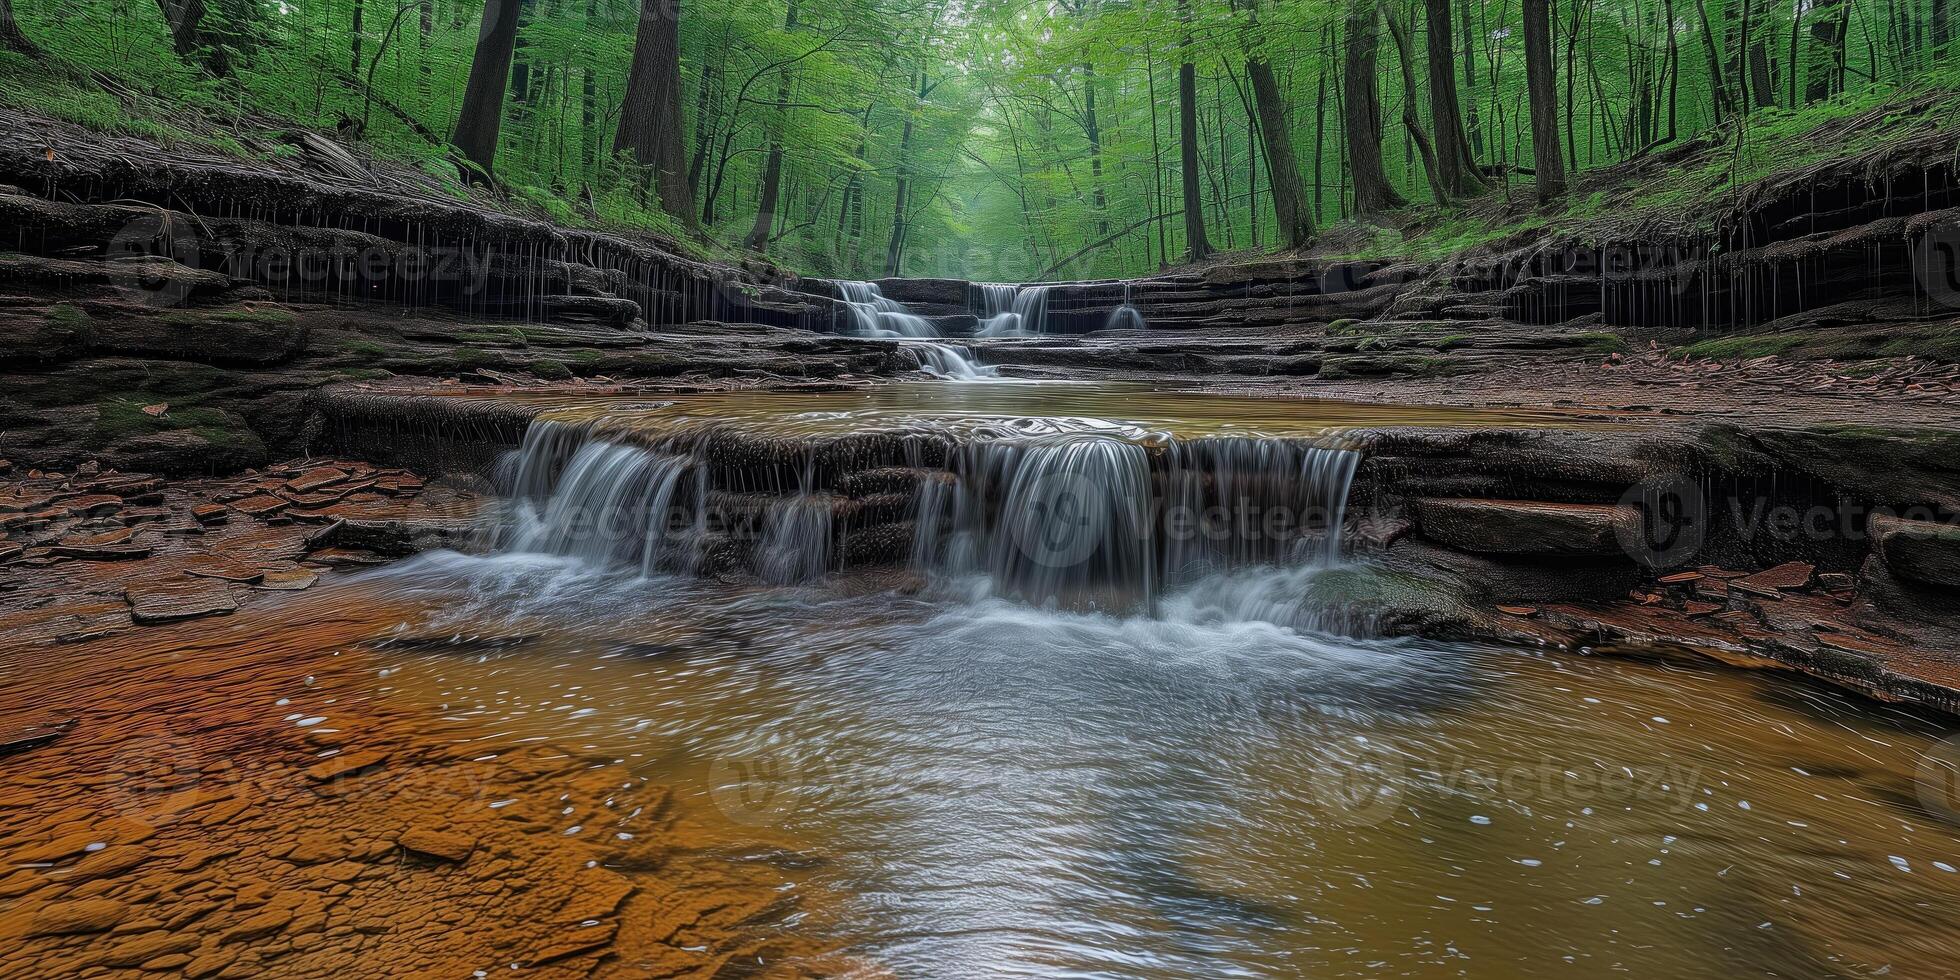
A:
{"points": [[984, 788]]}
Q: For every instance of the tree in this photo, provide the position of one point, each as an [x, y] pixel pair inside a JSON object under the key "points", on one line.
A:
{"points": [[1296, 219], [190, 36], [772, 171], [1456, 166], [1543, 85], [11, 37], [482, 117], [1197, 247], [650, 114], [1373, 193], [1829, 23], [1412, 119]]}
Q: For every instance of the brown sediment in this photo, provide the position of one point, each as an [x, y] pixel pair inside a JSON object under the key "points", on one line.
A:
{"points": [[240, 797]]}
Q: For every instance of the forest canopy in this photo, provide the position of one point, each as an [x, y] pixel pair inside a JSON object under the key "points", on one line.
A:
{"points": [[998, 140]]}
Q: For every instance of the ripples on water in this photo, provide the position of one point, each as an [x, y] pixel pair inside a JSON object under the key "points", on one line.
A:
{"points": [[1004, 790]]}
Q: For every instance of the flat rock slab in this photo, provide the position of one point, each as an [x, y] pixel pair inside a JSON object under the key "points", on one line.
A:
{"points": [[1787, 577], [225, 571], [315, 479], [180, 599], [437, 844], [1529, 527], [34, 734], [288, 579]]}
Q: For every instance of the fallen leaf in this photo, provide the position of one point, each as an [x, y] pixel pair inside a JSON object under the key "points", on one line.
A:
{"points": [[156, 411]]}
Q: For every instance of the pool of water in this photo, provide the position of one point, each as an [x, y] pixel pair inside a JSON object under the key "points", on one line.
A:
{"points": [[992, 789], [1130, 409]]}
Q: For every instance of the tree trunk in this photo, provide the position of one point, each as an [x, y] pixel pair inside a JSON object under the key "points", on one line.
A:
{"points": [[772, 169], [1455, 165], [1411, 117], [650, 113], [482, 116], [1282, 167], [11, 37], [1476, 144], [1373, 193], [1829, 18], [1942, 27], [902, 198], [189, 38], [1196, 246], [1092, 128], [354, 34], [1541, 80]]}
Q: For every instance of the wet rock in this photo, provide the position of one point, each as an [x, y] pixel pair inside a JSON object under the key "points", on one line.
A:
{"points": [[107, 863], [346, 764], [77, 917], [171, 601], [210, 513], [224, 572], [436, 844], [1921, 552], [261, 505], [34, 735], [316, 479], [1528, 527], [92, 505], [288, 580], [258, 926], [1787, 577], [82, 552]]}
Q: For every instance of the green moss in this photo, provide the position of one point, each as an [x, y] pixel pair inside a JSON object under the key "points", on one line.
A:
{"points": [[267, 316], [362, 374], [365, 348], [68, 316], [551, 370], [1601, 342]]}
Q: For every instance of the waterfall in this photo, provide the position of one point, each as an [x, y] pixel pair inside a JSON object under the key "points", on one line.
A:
{"points": [[875, 316], [1082, 519], [950, 361], [1127, 316], [996, 298], [1026, 313]]}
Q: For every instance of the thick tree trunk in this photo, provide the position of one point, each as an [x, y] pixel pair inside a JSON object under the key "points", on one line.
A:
{"points": [[1373, 193], [772, 169], [1197, 246], [482, 116], [1828, 35], [11, 38], [1455, 164], [650, 113], [1942, 27], [1541, 80], [189, 38], [1282, 167]]}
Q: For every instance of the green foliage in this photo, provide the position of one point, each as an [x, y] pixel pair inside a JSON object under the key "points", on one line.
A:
{"points": [[982, 110]]}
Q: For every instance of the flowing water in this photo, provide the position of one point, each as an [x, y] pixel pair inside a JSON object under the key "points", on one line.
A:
{"points": [[875, 315], [1196, 774], [1014, 310]]}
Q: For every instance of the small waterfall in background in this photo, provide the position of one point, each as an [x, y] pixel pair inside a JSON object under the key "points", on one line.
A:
{"points": [[950, 361], [875, 315], [1127, 316], [1024, 312], [1212, 528]]}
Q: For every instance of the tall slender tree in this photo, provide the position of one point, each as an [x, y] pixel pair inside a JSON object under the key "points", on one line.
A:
{"points": [[481, 119], [650, 114], [1197, 247], [1541, 80], [772, 168], [1373, 193]]}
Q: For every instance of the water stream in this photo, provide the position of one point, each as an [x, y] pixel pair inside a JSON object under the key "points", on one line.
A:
{"points": [[1191, 771], [875, 315]]}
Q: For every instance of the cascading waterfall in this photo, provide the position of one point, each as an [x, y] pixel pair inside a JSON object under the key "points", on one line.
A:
{"points": [[1026, 312], [875, 315], [1081, 520]]}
